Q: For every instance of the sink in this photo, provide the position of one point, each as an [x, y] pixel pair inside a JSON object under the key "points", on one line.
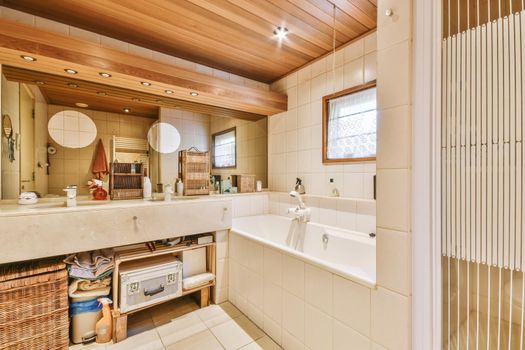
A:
{"points": [[63, 204]]}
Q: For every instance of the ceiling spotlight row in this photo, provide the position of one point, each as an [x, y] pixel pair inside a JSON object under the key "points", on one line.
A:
{"points": [[103, 75]]}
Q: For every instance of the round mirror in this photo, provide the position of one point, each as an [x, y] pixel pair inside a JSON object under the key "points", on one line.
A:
{"points": [[72, 129], [164, 137], [7, 126]]}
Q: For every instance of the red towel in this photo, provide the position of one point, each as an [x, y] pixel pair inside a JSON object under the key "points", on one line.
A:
{"points": [[100, 164]]}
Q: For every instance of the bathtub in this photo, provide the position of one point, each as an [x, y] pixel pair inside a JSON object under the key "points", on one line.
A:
{"points": [[349, 254]]}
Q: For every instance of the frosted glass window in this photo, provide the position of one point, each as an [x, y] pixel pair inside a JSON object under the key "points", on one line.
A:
{"points": [[351, 126], [224, 149]]}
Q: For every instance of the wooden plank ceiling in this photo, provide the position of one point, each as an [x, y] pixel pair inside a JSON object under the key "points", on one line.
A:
{"points": [[231, 35], [67, 91], [54, 53]]}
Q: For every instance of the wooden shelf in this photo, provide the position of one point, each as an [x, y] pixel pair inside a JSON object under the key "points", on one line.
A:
{"points": [[127, 174], [138, 252]]}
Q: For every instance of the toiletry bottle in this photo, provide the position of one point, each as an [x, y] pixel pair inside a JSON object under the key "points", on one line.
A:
{"points": [[299, 188], [147, 188], [180, 188], [334, 192], [104, 326]]}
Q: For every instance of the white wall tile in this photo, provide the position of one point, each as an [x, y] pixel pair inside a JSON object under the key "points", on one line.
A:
{"points": [[394, 132], [394, 261], [352, 304], [390, 319], [393, 199], [347, 338], [294, 315], [272, 266], [318, 329], [318, 288], [394, 72], [293, 275]]}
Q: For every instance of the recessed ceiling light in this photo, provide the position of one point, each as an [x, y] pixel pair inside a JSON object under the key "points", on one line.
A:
{"points": [[28, 58], [104, 75], [70, 71], [102, 93], [39, 82], [127, 110], [145, 83], [193, 93], [135, 99], [280, 32], [72, 85], [81, 104], [168, 92]]}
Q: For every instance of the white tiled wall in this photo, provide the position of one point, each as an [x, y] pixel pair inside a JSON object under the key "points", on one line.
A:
{"points": [[297, 304], [246, 204], [346, 213], [295, 136], [243, 204]]}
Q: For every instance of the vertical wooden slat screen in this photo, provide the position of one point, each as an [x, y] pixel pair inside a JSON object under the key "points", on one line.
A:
{"points": [[483, 74]]}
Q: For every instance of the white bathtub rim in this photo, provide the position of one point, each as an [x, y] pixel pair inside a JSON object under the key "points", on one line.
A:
{"points": [[367, 282]]}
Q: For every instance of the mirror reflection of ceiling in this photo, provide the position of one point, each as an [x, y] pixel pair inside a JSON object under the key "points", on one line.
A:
{"points": [[66, 91], [234, 36]]}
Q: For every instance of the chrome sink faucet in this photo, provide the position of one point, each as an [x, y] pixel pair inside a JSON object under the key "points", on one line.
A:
{"points": [[301, 212], [71, 195]]}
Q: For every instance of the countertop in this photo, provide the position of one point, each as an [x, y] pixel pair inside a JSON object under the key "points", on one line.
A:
{"points": [[9, 208]]}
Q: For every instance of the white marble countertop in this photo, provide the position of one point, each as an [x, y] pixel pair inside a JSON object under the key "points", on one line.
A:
{"points": [[84, 203]]}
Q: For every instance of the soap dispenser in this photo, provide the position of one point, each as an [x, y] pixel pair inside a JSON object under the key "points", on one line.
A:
{"points": [[334, 192], [299, 188]]}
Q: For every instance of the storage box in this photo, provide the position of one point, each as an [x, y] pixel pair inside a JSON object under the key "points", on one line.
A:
{"points": [[194, 262], [34, 306], [149, 281]]}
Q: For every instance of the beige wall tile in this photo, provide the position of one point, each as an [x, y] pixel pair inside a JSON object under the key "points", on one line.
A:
{"points": [[394, 261], [390, 323], [352, 304], [396, 28], [394, 133], [394, 74], [393, 199]]}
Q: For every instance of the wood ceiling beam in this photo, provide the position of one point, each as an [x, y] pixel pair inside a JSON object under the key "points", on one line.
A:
{"points": [[54, 52]]}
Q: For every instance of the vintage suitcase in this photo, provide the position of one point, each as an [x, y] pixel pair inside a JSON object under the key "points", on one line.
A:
{"points": [[149, 281]]}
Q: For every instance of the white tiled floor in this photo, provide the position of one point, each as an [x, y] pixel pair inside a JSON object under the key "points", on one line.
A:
{"points": [[181, 325]]}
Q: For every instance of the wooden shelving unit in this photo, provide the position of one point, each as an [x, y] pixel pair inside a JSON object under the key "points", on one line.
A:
{"points": [[137, 253], [126, 180]]}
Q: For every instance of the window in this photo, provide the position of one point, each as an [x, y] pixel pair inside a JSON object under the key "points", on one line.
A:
{"points": [[224, 149], [349, 125]]}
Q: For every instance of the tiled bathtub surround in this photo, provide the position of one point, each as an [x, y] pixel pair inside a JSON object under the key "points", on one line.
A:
{"points": [[295, 303], [295, 136], [346, 213]]}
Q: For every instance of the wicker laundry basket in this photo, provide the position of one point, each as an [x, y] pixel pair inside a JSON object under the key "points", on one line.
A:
{"points": [[34, 306]]}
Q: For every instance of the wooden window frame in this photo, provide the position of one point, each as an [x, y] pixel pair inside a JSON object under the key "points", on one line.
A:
{"points": [[326, 99], [234, 129]]}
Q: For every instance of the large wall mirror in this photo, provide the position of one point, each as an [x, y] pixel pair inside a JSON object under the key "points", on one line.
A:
{"points": [[56, 124]]}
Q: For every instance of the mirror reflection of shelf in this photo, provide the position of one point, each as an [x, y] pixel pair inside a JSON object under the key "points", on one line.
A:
{"points": [[130, 150]]}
